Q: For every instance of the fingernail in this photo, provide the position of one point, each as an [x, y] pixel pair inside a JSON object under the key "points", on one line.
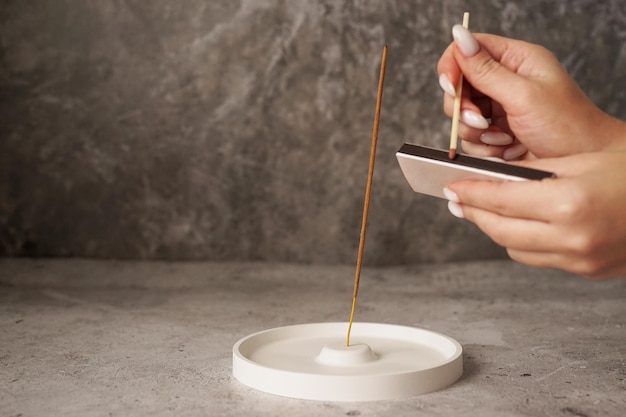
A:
{"points": [[456, 209], [450, 195], [465, 41], [496, 138], [514, 152], [473, 119], [446, 85]]}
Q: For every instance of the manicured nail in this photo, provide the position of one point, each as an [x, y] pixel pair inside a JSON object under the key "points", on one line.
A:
{"points": [[514, 152], [456, 209], [496, 138], [450, 195], [465, 41], [473, 119], [446, 85]]}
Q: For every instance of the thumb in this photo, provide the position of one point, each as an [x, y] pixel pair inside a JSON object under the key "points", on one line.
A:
{"points": [[481, 65]]}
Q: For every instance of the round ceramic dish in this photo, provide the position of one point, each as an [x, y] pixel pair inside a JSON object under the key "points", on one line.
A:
{"points": [[312, 361]]}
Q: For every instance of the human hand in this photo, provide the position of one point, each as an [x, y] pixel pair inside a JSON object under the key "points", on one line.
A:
{"points": [[575, 222], [532, 102]]}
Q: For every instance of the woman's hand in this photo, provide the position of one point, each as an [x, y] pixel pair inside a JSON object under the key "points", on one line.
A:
{"points": [[531, 101], [575, 222]]}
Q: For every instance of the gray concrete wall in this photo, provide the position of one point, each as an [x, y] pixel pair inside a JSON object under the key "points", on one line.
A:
{"points": [[240, 130]]}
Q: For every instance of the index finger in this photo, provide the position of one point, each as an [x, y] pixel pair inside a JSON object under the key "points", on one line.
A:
{"points": [[471, 99], [533, 199], [447, 65]]}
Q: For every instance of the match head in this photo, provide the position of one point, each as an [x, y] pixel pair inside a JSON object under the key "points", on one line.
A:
{"points": [[452, 153]]}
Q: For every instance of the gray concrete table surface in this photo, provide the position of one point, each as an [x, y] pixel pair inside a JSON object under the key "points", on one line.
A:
{"points": [[109, 338]]}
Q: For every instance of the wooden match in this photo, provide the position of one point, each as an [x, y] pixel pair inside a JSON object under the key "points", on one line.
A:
{"points": [[454, 133]]}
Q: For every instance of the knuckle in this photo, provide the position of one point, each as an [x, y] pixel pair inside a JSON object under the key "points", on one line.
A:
{"points": [[584, 243], [590, 268], [584, 236], [576, 206], [546, 54], [484, 68], [498, 234], [586, 247]]}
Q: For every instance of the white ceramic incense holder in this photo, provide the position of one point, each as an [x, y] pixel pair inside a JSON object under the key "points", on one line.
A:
{"points": [[312, 361]]}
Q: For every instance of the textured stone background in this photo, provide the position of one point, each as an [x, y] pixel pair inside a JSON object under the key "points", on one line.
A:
{"points": [[240, 130]]}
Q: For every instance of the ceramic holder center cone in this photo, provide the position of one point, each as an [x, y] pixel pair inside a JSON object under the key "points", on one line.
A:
{"points": [[312, 361]]}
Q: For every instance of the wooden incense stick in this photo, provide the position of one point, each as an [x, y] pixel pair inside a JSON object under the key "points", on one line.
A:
{"points": [[368, 189], [457, 105]]}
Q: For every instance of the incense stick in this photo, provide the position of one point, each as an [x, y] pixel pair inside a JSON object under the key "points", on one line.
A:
{"points": [[457, 105], [368, 189]]}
